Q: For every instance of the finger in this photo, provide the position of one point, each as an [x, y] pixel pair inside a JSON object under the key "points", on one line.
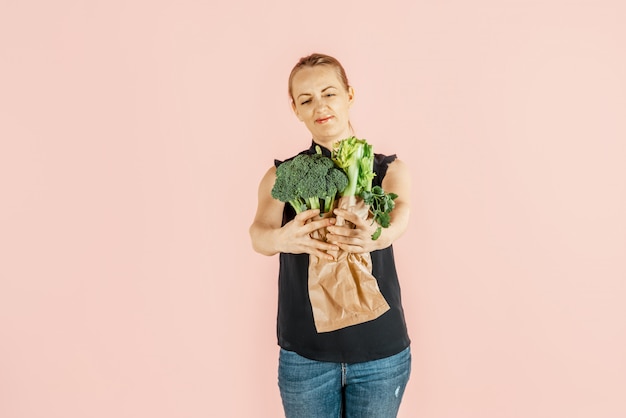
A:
{"points": [[348, 216], [323, 252], [342, 231], [307, 214], [319, 243], [323, 256], [349, 248], [343, 241], [318, 224]]}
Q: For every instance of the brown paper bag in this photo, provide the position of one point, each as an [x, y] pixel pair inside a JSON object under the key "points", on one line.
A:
{"points": [[343, 292]]}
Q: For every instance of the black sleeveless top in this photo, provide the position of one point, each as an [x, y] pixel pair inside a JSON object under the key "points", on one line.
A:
{"points": [[384, 336]]}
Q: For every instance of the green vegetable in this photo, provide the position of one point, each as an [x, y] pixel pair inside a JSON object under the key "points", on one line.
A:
{"points": [[356, 158], [309, 182], [381, 204]]}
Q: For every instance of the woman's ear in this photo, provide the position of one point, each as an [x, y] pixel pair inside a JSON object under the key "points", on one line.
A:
{"points": [[350, 95]]}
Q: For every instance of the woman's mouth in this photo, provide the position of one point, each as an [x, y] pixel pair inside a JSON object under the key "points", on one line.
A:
{"points": [[323, 120]]}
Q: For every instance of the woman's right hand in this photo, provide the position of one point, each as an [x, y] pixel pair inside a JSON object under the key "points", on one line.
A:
{"points": [[296, 236], [269, 238]]}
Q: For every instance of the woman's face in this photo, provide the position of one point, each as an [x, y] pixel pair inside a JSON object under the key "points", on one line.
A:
{"points": [[321, 101]]}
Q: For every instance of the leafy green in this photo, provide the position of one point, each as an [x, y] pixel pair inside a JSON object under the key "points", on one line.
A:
{"points": [[356, 157], [381, 204]]}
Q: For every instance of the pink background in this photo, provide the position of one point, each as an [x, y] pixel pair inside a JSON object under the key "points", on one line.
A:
{"points": [[134, 135]]}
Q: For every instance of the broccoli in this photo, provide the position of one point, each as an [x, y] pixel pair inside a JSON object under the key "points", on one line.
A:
{"points": [[309, 182]]}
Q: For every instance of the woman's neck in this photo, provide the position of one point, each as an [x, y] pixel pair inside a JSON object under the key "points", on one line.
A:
{"points": [[328, 142]]}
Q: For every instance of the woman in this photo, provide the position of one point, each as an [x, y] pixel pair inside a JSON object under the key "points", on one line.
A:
{"points": [[358, 371]]}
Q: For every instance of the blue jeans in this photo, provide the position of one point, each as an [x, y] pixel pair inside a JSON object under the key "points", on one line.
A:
{"points": [[314, 389]]}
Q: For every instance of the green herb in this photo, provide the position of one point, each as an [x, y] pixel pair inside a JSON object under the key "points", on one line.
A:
{"points": [[381, 204]]}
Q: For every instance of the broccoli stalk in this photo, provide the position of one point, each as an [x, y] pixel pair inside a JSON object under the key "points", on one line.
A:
{"points": [[309, 182], [356, 158]]}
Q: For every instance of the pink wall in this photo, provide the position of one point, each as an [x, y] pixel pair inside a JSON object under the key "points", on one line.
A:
{"points": [[133, 136]]}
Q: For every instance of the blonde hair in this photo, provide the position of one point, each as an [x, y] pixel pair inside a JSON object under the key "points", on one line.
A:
{"points": [[315, 60]]}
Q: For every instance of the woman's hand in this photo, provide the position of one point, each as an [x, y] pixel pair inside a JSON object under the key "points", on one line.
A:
{"points": [[356, 235], [359, 239], [269, 238], [296, 235]]}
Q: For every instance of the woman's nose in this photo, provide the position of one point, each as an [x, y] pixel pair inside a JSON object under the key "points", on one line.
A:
{"points": [[320, 105]]}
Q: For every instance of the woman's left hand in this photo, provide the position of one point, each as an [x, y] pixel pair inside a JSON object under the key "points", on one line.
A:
{"points": [[359, 239], [354, 236]]}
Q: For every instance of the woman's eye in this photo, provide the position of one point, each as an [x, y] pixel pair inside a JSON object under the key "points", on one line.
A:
{"points": [[330, 94], [305, 102]]}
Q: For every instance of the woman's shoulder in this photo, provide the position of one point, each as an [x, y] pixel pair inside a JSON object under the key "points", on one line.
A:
{"points": [[381, 165], [384, 158]]}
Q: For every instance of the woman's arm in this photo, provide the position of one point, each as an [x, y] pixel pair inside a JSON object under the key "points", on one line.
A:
{"points": [[359, 239], [268, 238]]}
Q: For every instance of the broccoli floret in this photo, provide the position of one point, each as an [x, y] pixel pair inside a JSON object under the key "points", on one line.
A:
{"points": [[336, 181], [309, 182]]}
